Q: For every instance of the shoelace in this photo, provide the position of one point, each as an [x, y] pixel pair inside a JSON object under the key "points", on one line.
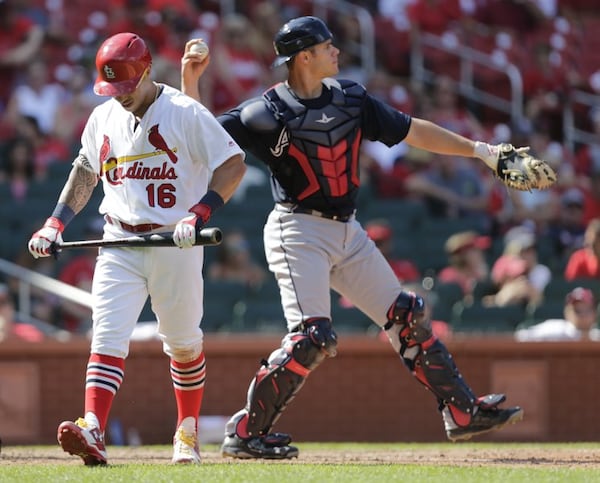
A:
{"points": [[188, 440], [82, 423]]}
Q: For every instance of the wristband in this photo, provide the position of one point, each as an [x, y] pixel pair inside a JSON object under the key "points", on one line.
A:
{"points": [[212, 199], [63, 213], [205, 207]]}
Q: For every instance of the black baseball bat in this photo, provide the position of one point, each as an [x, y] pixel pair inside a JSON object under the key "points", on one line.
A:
{"points": [[206, 236]]}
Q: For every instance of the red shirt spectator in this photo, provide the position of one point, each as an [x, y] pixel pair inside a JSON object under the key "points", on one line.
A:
{"points": [[434, 16], [20, 42], [467, 265], [585, 262]]}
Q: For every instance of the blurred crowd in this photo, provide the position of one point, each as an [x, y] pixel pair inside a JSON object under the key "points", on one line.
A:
{"points": [[47, 50]]}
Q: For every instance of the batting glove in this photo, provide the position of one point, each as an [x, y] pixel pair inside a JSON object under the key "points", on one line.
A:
{"points": [[42, 242], [490, 153], [184, 235]]}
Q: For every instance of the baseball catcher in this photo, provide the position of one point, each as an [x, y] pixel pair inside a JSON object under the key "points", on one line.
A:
{"points": [[515, 167]]}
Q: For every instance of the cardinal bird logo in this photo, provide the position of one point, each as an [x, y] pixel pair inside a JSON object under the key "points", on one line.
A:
{"points": [[104, 149], [156, 139]]}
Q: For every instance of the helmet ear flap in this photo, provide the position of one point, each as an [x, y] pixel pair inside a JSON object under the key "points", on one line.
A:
{"points": [[121, 61]]}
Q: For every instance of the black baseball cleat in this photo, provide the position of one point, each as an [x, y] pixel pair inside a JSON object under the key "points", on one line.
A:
{"points": [[489, 417], [273, 446]]}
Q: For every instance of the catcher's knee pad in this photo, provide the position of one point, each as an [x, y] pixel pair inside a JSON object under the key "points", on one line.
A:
{"points": [[284, 373], [424, 355]]}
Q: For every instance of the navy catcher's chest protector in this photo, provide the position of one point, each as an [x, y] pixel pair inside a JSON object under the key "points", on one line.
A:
{"points": [[320, 170]]}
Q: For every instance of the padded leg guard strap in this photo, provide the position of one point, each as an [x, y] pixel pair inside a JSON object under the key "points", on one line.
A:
{"points": [[424, 355], [284, 373]]}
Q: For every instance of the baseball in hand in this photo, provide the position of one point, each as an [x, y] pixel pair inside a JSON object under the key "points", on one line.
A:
{"points": [[201, 48]]}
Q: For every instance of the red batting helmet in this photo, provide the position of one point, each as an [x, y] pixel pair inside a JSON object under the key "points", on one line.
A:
{"points": [[121, 62]]}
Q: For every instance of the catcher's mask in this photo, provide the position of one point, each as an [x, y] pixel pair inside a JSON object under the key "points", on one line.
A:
{"points": [[121, 62], [299, 34]]}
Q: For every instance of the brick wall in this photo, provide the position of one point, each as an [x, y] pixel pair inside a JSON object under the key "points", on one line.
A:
{"points": [[364, 394]]}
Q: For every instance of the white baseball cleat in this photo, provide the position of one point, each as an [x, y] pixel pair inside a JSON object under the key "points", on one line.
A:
{"points": [[185, 447], [80, 439]]}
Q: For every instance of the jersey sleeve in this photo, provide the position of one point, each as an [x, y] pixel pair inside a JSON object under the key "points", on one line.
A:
{"points": [[212, 141], [232, 123], [381, 122]]}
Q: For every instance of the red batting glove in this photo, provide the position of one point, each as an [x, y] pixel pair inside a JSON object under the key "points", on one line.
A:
{"points": [[42, 242]]}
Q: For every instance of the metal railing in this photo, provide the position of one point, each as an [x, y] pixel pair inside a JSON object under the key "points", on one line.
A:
{"points": [[572, 133], [28, 279], [468, 58]]}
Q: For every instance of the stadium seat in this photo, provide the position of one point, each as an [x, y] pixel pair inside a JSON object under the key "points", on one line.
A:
{"points": [[477, 318]]}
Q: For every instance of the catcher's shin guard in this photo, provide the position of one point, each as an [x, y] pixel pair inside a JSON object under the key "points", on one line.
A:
{"points": [[426, 357], [284, 373]]}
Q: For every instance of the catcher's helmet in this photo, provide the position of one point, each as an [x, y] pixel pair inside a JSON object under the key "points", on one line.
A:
{"points": [[121, 62], [299, 34]]}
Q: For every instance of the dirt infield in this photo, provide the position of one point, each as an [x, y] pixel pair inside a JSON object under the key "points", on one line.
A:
{"points": [[452, 455]]}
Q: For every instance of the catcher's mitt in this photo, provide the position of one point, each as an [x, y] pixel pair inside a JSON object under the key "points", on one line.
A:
{"points": [[519, 170]]}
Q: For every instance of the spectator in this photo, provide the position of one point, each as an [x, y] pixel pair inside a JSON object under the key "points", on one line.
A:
{"points": [[434, 16], [10, 328], [266, 18], [239, 68], [587, 157], [18, 168], [452, 189], [539, 206], [37, 96], [48, 149], [467, 263], [514, 16], [566, 233], [20, 43], [79, 271], [76, 108], [137, 16], [591, 191], [447, 110], [579, 322], [234, 262], [381, 232], [517, 274], [585, 262]]}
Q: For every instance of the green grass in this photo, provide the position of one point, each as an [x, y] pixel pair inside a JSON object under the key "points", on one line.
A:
{"points": [[331, 462]]}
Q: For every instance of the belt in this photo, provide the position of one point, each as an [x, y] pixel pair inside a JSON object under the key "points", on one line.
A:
{"points": [[144, 227], [289, 208]]}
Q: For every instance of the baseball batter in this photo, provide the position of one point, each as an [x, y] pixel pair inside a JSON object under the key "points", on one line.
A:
{"points": [[308, 131], [156, 178]]}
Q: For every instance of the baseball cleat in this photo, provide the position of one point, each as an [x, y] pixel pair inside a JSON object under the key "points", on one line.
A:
{"points": [[185, 447], [271, 446], [80, 439], [485, 420]]}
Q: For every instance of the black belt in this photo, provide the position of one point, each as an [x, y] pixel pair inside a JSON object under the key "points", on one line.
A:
{"points": [[320, 214]]}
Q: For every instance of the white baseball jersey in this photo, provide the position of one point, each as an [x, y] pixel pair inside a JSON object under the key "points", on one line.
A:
{"points": [[155, 173], [152, 173]]}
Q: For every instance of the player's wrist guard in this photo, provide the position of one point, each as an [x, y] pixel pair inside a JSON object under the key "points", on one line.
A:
{"points": [[204, 209], [63, 214]]}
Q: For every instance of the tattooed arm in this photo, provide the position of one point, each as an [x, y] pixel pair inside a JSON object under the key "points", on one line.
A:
{"points": [[74, 196], [79, 186]]}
